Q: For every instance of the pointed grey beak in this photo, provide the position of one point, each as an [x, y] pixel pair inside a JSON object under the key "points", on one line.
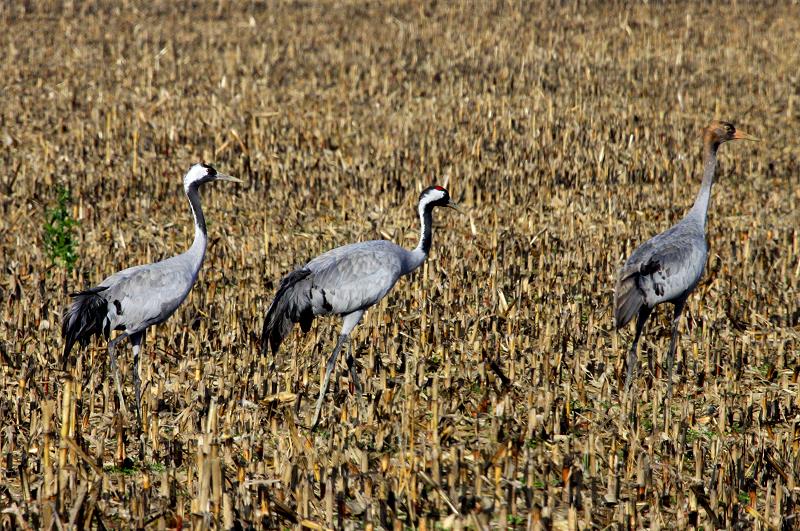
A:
{"points": [[452, 204], [741, 135], [223, 177]]}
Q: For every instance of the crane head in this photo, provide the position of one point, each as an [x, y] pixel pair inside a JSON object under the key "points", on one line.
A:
{"points": [[436, 196], [203, 173], [718, 132]]}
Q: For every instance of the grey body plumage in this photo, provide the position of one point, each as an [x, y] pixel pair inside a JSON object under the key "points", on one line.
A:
{"points": [[668, 267], [139, 297], [343, 280], [346, 281], [662, 269]]}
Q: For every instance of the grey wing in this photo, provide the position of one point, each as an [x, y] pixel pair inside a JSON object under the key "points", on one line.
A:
{"points": [[675, 270], [354, 277], [141, 296], [667, 267], [340, 281]]}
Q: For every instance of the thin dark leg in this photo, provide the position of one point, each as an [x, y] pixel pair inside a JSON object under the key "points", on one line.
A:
{"points": [[673, 342], [326, 380], [136, 340], [633, 362], [112, 345], [351, 364]]}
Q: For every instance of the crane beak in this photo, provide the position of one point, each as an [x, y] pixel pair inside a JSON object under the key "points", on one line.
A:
{"points": [[741, 135], [452, 204], [223, 177]]}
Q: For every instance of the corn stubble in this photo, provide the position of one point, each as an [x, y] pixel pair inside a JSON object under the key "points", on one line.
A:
{"points": [[492, 376]]}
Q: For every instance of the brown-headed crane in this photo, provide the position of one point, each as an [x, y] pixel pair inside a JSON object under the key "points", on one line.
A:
{"points": [[667, 267]]}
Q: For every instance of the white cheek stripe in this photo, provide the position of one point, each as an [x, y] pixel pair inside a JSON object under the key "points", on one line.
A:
{"points": [[433, 195], [195, 173]]}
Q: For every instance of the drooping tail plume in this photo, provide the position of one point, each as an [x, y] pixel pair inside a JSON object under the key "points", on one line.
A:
{"points": [[290, 305], [627, 297], [85, 317]]}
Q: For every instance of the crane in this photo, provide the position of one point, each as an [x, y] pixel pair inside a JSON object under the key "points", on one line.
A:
{"points": [[346, 281], [667, 267], [134, 299]]}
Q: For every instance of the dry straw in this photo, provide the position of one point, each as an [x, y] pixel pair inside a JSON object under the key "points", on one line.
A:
{"points": [[492, 375]]}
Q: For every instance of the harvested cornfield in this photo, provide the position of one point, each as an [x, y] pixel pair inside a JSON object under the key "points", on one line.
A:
{"points": [[493, 377]]}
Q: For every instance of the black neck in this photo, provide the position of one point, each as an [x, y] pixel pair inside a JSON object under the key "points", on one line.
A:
{"points": [[194, 201], [426, 220]]}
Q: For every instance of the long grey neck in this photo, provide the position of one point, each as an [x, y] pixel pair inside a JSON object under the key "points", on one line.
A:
{"points": [[197, 251], [700, 209], [420, 253]]}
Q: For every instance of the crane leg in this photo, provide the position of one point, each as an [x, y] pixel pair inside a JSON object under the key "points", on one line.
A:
{"points": [[112, 346], [328, 370], [641, 319], [136, 340], [673, 342], [349, 321], [351, 364]]}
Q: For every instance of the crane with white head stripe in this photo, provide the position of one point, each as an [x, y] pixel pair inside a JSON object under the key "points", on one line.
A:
{"points": [[134, 299], [346, 281]]}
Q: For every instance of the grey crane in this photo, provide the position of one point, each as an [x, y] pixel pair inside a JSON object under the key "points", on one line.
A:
{"points": [[139, 297], [346, 281], [667, 267]]}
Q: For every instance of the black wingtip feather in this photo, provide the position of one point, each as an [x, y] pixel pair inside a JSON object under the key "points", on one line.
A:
{"points": [[282, 314], [83, 319]]}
